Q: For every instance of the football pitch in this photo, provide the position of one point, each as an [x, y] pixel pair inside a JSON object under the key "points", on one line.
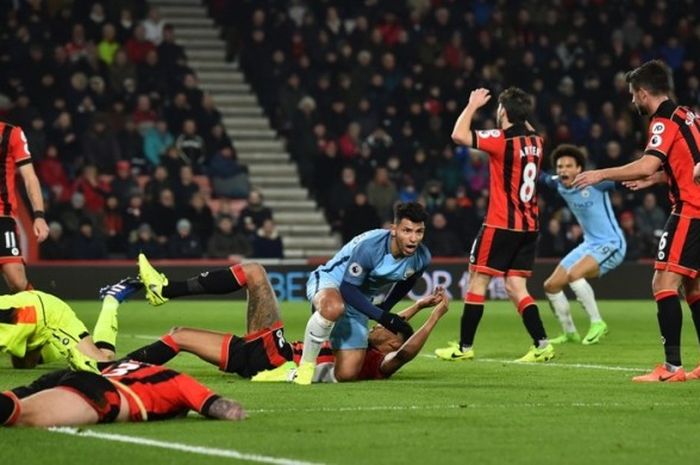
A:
{"points": [[581, 408]]}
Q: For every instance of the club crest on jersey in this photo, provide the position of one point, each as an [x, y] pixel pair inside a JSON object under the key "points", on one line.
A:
{"points": [[658, 128], [690, 117], [409, 272], [355, 269], [585, 193], [655, 141]]}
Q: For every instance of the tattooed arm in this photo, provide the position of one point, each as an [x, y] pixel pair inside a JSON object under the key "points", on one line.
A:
{"points": [[224, 409]]}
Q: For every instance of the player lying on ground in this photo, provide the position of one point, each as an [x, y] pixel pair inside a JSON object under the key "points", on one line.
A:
{"points": [[264, 346], [602, 250], [36, 327], [126, 390]]}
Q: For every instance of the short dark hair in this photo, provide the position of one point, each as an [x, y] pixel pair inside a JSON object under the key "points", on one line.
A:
{"points": [[568, 150], [412, 211], [653, 76], [517, 104]]}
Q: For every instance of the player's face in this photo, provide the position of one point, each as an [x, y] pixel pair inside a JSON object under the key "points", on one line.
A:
{"points": [[639, 99], [567, 169], [407, 236], [384, 340]]}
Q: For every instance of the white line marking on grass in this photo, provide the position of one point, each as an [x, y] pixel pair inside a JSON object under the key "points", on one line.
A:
{"points": [[201, 450], [550, 364], [373, 408]]}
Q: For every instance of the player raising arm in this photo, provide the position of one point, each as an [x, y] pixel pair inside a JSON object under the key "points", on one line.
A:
{"points": [[505, 245], [674, 145]]}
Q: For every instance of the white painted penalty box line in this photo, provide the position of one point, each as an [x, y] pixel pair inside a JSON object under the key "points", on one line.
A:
{"points": [[584, 366], [201, 450]]}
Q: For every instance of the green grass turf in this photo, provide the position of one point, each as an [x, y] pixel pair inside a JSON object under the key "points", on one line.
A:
{"points": [[481, 412]]}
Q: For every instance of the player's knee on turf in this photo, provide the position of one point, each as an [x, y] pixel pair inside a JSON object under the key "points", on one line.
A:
{"points": [[346, 375], [515, 288]]}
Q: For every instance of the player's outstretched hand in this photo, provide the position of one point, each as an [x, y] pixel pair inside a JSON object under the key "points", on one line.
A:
{"points": [[696, 173], [432, 299], [41, 229], [479, 97], [442, 308], [587, 178]]}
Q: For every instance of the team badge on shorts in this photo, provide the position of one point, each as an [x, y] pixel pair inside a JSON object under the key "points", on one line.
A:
{"points": [[355, 269]]}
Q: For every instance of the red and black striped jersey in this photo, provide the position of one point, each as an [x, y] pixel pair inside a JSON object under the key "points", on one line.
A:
{"points": [[674, 137], [515, 156], [155, 392], [14, 152]]}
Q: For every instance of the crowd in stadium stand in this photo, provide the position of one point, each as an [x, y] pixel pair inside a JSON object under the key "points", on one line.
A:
{"points": [[366, 94], [124, 141]]}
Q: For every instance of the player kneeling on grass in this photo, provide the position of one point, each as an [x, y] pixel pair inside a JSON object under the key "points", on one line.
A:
{"points": [[264, 347], [36, 327], [602, 250], [125, 391]]}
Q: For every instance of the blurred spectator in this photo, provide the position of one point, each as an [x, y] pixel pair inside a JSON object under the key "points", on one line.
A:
{"points": [[381, 194], [635, 242], [359, 217], [144, 241], [53, 176], [101, 147], [229, 179], [169, 52], [108, 46], [156, 141], [201, 217], [121, 70], [163, 215], [131, 143], [226, 241], [184, 244], [342, 196], [113, 226], [55, 247], [254, 215], [86, 245], [267, 242], [185, 187], [137, 47], [650, 220], [70, 215], [93, 189], [124, 185], [134, 214], [441, 241], [191, 144], [552, 240], [153, 26], [158, 182]]}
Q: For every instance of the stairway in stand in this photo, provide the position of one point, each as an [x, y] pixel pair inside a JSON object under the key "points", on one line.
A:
{"points": [[301, 223]]}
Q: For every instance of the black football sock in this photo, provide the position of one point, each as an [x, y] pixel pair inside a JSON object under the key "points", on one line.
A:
{"points": [[9, 408], [471, 316], [670, 318], [158, 353], [532, 321], [222, 281]]}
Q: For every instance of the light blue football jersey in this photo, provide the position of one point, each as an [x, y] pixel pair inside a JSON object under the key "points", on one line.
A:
{"points": [[593, 211], [367, 263]]}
